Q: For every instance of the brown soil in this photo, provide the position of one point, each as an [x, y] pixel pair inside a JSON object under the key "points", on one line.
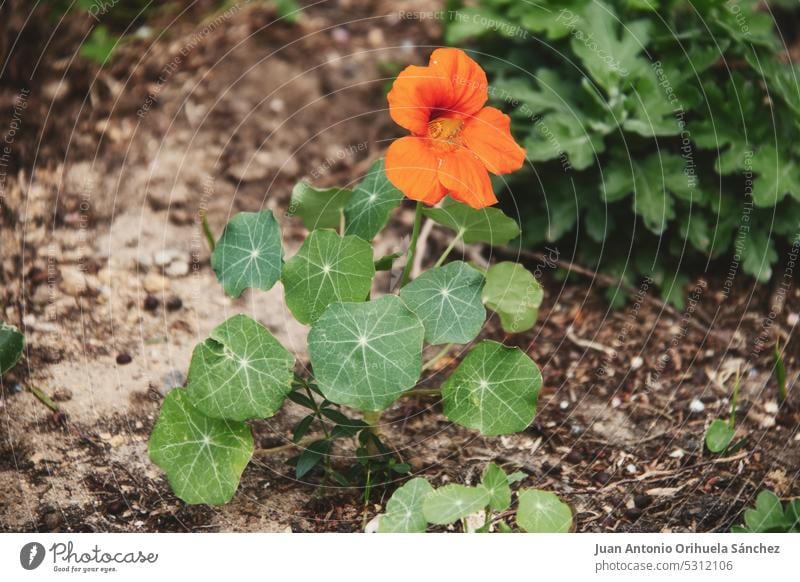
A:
{"points": [[103, 258]]}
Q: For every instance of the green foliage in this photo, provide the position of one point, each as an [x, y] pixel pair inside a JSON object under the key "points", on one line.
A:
{"points": [[249, 253], [371, 204], [404, 512], [489, 225], [417, 504], [12, 344], [494, 390], [327, 269], [651, 150], [719, 435], [543, 512], [366, 355], [318, 207], [100, 45], [447, 301], [240, 372], [203, 457], [514, 294], [453, 502], [770, 516], [365, 352]]}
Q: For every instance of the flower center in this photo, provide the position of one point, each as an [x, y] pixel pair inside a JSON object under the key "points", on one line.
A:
{"points": [[445, 132]]}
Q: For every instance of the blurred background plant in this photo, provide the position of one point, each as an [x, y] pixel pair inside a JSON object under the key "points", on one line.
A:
{"points": [[663, 134]]}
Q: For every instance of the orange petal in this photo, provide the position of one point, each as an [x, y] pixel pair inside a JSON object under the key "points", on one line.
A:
{"points": [[415, 93], [470, 90], [466, 178], [488, 135], [412, 166]]}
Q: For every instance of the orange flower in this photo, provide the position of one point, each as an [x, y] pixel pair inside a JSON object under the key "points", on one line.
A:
{"points": [[455, 141]]}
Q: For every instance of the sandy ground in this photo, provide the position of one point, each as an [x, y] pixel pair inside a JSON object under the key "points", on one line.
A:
{"points": [[109, 265]]}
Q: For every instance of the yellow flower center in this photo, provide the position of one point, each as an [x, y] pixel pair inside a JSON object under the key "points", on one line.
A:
{"points": [[445, 132]]}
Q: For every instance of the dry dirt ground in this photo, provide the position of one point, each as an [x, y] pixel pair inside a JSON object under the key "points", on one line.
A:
{"points": [[105, 267]]}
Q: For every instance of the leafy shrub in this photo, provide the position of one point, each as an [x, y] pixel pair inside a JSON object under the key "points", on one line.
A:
{"points": [[662, 132]]}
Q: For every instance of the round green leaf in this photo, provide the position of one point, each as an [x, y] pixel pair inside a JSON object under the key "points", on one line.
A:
{"points": [[495, 481], [488, 225], [452, 502], [494, 390], [240, 372], [514, 294], [318, 207], [448, 302], [767, 515], [327, 269], [543, 512], [249, 253], [373, 200], [12, 343], [365, 355], [203, 457], [719, 435], [404, 510]]}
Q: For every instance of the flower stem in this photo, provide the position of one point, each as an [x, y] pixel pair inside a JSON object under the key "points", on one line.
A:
{"points": [[207, 231], [288, 446], [422, 392], [449, 248], [435, 359], [412, 247]]}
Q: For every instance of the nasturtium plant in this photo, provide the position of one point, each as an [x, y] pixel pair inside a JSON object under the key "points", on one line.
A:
{"points": [[417, 505], [367, 345], [12, 343], [447, 301], [249, 254], [543, 512], [203, 457], [514, 294], [319, 207], [770, 516], [489, 225], [365, 355], [327, 269], [371, 204], [494, 390], [240, 372]]}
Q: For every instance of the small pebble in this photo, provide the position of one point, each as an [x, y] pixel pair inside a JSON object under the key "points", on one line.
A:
{"points": [[177, 269], [14, 388], [631, 468], [62, 394], [564, 404], [696, 406], [602, 478], [642, 501], [574, 457], [792, 319], [174, 304], [633, 513], [637, 363], [151, 303], [576, 430], [124, 358]]}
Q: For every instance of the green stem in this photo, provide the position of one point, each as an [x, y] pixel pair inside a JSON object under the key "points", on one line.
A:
{"points": [[421, 392], [44, 398], [435, 359], [289, 446], [412, 247], [212, 243], [734, 400], [449, 248]]}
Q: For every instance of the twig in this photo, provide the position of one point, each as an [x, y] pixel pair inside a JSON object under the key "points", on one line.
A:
{"points": [[289, 446], [589, 344], [608, 281]]}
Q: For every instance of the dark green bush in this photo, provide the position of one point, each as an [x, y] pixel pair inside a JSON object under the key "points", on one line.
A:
{"points": [[662, 134]]}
